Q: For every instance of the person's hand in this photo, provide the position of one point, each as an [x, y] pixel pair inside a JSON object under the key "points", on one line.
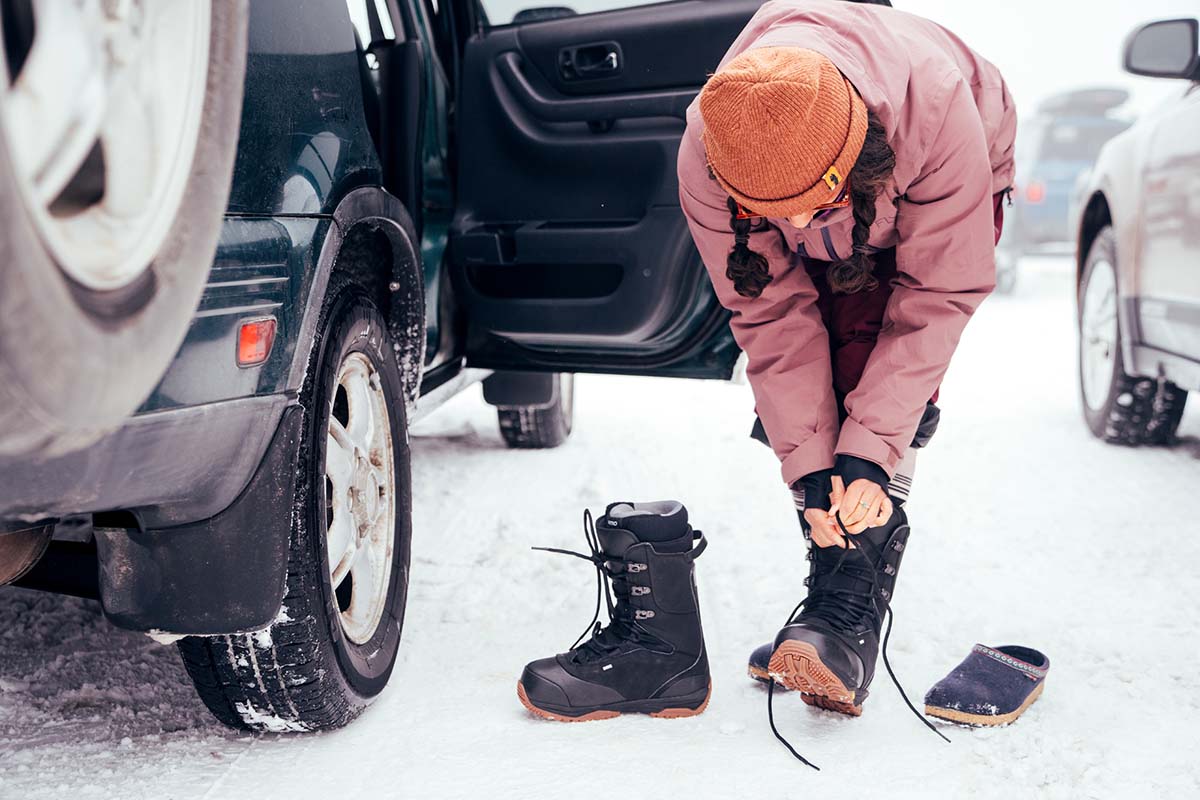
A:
{"points": [[864, 505], [825, 530]]}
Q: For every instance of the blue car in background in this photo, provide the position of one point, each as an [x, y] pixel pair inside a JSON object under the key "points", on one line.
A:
{"points": [[1054, 149]]}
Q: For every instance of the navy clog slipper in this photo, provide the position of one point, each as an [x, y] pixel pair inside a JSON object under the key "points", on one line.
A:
{"points": [[992, 686]]}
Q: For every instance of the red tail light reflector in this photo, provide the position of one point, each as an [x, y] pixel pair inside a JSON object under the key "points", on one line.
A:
{"points": [[254, 341]]}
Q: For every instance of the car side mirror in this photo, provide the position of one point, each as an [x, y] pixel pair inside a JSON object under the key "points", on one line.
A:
{"points": [[1165, 49]]}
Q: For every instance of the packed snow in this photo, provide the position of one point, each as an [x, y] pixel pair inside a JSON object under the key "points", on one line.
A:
{"points": [[1026, 530]]}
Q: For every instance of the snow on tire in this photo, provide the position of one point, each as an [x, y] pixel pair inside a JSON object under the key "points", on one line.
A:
{"points": [[332, 648]]}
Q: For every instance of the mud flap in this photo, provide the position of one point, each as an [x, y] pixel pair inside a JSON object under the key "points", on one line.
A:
{"points": [[222, 575]]}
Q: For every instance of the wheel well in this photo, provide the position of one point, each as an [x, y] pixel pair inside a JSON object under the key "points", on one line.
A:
{"points": [[1095, 218], [398, 292]]}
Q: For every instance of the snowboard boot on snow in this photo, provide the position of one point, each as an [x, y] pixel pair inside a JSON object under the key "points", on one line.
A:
{"points": [[651, 657], [828, 651]]}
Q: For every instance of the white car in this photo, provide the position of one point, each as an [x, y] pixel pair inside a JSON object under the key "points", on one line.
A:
{"points": [[1138, 235]]}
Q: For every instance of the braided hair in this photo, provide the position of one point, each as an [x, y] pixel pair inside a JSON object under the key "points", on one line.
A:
{"points": [[745, 267], [868, 177], [872, 171]]}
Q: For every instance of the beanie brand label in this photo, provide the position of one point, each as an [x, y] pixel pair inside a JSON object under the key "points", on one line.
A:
{"points": [[833, 178]]}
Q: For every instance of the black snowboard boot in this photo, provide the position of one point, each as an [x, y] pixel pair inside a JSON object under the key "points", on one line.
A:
{"points": [[828, 651], [651, 657]]}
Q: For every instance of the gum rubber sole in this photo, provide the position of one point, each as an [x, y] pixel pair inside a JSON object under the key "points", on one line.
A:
{"points": [[797, 666], [762, 676], [666, 713], [758, 674], [983, 720]]}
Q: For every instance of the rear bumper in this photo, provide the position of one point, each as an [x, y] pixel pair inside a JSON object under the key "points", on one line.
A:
{"points": [[169, 467]]}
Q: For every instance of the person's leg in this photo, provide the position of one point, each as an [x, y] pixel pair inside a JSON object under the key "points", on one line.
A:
{"points": [[901, 482], [815, 652]]}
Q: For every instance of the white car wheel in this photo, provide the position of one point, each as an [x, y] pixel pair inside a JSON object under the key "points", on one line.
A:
{"points": [[101, 124], [118, 131]]}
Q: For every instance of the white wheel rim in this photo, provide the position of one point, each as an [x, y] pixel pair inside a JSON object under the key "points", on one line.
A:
{"points": [[360, 497], [129, 76], [1098, 334]]}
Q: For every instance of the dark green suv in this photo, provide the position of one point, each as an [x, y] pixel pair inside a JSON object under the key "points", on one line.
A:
{"points": [[415, 200]]}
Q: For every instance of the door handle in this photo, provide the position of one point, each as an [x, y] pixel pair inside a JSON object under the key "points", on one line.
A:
{"points": [[595, 60], [551, 106]]}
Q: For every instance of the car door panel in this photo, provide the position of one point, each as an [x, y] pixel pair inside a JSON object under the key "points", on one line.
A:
{"points": [[664, 46], [1169, 281], [568, 248]]}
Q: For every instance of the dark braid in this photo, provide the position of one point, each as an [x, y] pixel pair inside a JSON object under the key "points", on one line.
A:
{"points": [[746, 268], [869, 176]]}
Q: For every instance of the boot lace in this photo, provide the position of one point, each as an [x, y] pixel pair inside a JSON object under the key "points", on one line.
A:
{"points": [[623, 624], [845, 608]]}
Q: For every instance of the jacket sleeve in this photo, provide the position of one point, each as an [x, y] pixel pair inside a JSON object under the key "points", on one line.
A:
{"points": [[781, 331], [946, 266]]}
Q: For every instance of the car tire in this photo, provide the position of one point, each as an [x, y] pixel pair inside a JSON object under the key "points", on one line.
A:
{"points": [[85, 339], [326, 656], [1118, 407], [541, 426]]}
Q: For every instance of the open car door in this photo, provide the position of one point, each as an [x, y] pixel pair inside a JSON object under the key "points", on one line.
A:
{"points": [[568, 248]]}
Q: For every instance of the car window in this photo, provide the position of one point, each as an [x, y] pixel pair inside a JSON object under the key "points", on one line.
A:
{"points": [[1071, 141], [504, 12]]}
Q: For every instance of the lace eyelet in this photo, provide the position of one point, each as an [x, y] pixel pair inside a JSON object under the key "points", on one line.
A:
{"points": [[641, 614], [889, 569], [638, 591], [634, 566]]}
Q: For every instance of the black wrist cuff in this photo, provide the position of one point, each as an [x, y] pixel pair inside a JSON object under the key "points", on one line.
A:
{"points": [[851, 468], [817, 487]]}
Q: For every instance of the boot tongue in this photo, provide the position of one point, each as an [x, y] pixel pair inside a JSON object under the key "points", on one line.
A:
{"points": [[849, 576], [841, 589], [615, 541]]}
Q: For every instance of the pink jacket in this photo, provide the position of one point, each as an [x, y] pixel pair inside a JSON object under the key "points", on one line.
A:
{"points": [[951, 123]]}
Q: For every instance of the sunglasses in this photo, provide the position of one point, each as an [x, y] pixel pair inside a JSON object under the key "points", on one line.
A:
{"points": [[841, 201]]}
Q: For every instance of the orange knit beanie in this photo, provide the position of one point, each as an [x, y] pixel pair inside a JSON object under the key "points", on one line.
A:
{"points": [[782, 128]]}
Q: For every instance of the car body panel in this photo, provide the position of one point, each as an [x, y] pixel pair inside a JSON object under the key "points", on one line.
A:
{"points": [[1145, 190], [263, 268], [1169, 254], [304, 153], [302, 145], [211, 455]]}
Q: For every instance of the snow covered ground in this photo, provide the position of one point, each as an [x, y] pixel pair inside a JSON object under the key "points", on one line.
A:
{"points": [[1026, 530]]}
